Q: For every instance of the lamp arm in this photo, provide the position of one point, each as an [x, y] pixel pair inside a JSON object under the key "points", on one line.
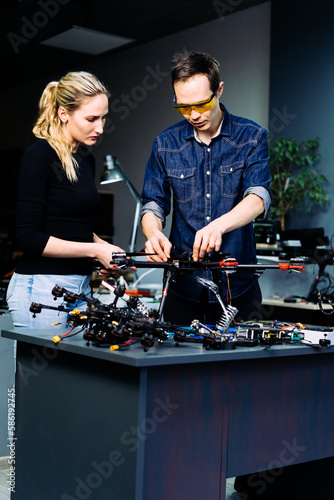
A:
{"points": [[135, 226], [131, 187], [137, 198]]}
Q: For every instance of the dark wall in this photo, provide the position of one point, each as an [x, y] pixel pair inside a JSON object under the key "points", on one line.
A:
{"points": [[302, 87], [10, 160], [141, 102]]}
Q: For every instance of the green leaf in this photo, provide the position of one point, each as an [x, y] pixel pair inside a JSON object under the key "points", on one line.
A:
{"points": [[293, 181]]}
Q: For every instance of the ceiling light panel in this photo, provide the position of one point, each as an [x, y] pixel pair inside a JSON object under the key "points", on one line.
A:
{"points": [[86, 41]]}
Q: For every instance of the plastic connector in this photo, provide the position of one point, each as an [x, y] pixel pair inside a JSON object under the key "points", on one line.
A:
{"points": [[56, 339], [74, 312], [114, 347]]}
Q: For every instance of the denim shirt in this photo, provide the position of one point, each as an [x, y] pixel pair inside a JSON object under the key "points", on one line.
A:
{"points": [[205, 182]]}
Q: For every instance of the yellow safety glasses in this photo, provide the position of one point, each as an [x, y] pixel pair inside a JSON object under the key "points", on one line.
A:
{"points": [[199, 107]]}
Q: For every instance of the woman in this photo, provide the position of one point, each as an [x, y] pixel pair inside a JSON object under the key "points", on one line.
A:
{"points": [[57, 198]]}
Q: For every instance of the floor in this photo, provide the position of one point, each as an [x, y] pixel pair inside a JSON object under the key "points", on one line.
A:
{"points": [[231, 494]]}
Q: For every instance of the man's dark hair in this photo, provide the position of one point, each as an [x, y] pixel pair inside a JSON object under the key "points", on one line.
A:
{"points": [[188, 64]]}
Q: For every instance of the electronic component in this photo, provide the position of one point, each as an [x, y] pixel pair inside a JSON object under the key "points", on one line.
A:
{"points": [[106, 325]]}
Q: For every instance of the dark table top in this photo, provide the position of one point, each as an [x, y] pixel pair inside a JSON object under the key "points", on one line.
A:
{"points": [[162, 353]]}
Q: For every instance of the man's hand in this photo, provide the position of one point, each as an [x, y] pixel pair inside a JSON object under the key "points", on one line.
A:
{"points": [[160, 245], [156, 240], [206, 240], [210, 237]]}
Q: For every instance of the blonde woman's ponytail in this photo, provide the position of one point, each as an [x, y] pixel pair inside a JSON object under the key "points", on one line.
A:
{"points": [[71, 91]]}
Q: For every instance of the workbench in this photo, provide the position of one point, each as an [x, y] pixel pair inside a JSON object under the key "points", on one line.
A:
{"points": [[170, 423]]}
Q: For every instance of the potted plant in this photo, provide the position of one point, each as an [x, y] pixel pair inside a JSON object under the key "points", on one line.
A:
{"points": [[294, 178]]}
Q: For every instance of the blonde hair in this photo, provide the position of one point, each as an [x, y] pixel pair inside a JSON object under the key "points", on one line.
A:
{"points": [[71, 92]]}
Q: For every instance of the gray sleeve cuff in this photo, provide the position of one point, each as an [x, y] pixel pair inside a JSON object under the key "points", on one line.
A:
{"points": [[263, 193], [152, 206]]}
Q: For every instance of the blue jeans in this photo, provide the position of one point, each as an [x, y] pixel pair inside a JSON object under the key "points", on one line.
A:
{"points": [[24, 289]]}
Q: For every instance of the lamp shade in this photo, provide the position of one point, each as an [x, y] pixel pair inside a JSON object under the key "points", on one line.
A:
{"points": [[111, 172]]}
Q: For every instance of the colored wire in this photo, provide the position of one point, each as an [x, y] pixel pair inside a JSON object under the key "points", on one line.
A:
{"points": [[228, 295], [73, 334], [65, 334], [128, 342]]}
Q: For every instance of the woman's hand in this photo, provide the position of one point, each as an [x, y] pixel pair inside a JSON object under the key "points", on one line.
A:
{"points": [[103, 253], [99, 250]]}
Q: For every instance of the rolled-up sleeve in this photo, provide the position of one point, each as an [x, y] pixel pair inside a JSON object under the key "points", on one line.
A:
{"points": [[257, 175], [153, 207], [263, 193]]}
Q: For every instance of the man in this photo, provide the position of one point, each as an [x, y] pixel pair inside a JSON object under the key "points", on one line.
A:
{"points": [[216, 166]]}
